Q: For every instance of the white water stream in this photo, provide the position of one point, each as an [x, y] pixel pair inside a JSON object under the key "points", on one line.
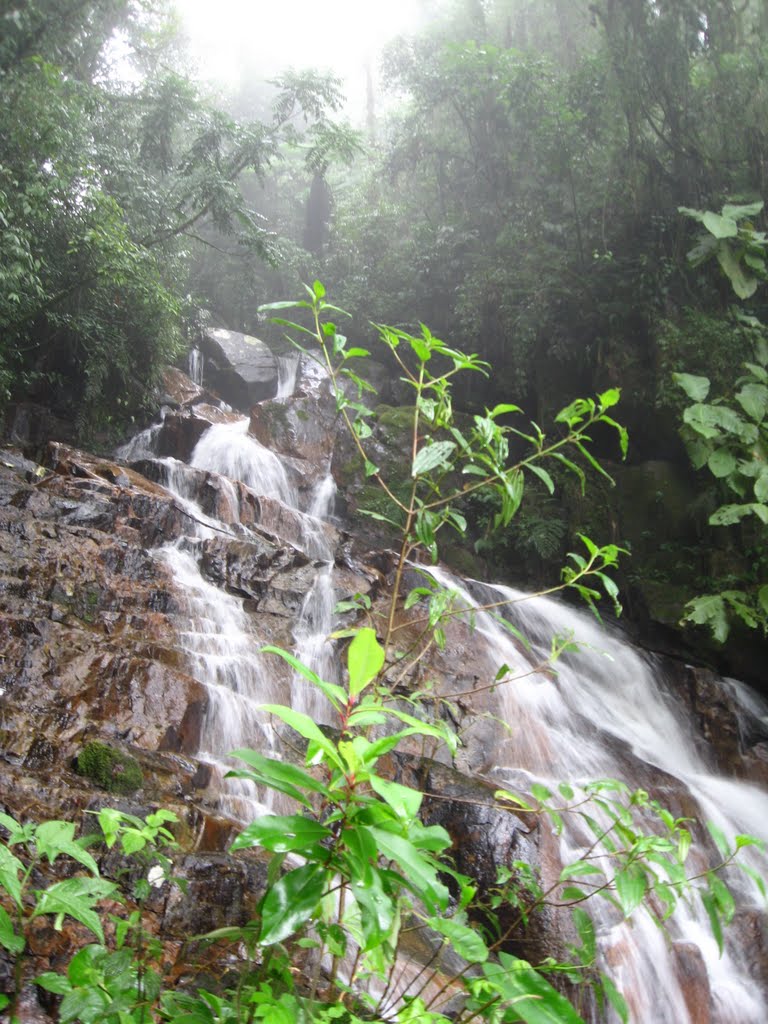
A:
{"points": [[607, 698], [565, 726]]}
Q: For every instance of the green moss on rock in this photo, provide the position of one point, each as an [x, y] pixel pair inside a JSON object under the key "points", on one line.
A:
{"points": [[109, 768]]}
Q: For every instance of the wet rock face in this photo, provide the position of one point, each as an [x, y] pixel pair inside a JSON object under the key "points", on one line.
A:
{"points": [[242, 369], [83, 604]]}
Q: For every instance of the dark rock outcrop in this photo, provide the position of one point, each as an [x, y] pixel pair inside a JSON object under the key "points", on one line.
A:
{"points": [[242, 369]]}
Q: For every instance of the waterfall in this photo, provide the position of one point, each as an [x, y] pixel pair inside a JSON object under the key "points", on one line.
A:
{"points": [[569, 725], [605, 710], [228, 449], [196, 365], [219, 640], [287, 371]]}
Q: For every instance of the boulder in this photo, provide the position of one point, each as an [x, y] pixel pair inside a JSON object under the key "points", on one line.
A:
{"points": [[242, 369]]}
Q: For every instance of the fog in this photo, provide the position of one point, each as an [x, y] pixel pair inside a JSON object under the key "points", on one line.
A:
{"points": [[231, 41]]}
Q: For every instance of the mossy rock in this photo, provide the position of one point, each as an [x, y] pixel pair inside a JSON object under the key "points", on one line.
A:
{"points": [[109, 768]]}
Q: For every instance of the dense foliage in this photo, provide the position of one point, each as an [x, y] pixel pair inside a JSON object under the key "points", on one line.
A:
{"points": [[112, 165]]}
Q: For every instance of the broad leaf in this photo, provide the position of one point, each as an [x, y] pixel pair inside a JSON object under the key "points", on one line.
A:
{"points": [[334, 693], [290, 902], [543, 475], [697, 388], [8, 938], [285, 778], [10, 869], [753, 398], [281, 833], [365, 659], [432, 456], [720, 226], [306, 727], [709, 611], [532, 997], [54, 838], [76, 898], [745, 285], [418, 871], [631, 885], [403, 800], [377, 909], [467, 942], [721, 463]]}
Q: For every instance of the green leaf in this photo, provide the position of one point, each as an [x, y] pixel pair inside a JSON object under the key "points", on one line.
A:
{"points": [[721, 463], [290, 902], [631, 885], [418, 870], [365, 658], [720, 226], [84, 1004], [76, 898], [11, 824], [432, 456], [745, 285], [281, 833], [615, 998], [709, 611], [761, 486], [285, 778], [467, 942], [378, 911], [609, 398], [334, 693], [52, 982], [10, 869], [727, 515], [512, 798], [722, 844], [710, 905], [403, 800], [586, 930], [743, 211], [753, 398], [534, 1000], [54, 838], [577, 869], [696, 388], [8, 938], [306, 727], [319, 289], [543, 475]]}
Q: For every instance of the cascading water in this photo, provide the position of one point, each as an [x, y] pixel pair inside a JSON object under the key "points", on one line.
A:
{"points": [[196, 365], [570, 726], [603, 714], [287, 371]]}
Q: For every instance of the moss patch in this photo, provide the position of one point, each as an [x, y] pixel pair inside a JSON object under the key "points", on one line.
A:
{"points": [[109, 768]]}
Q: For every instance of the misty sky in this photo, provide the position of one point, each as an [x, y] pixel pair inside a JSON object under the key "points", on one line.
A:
{"points": [[270, 35]]}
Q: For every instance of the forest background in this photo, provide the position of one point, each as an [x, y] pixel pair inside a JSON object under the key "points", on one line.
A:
{"points": [[516, 185]]}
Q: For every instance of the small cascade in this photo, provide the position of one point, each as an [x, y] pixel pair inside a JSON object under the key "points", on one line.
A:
{"points": [[572, 725], [196, 365], [218, 639], [323, 498], [314, 648], [228, 449], [221, 649], [287, 372], [143, 444]]}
